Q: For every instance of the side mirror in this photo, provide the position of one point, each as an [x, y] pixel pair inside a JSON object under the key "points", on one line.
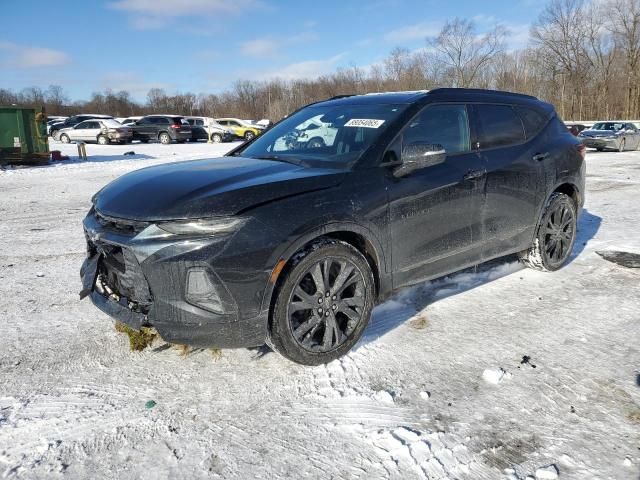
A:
{"points": [[417, 156]]}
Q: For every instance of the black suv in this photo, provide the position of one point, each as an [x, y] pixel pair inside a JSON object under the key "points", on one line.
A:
{"points": [[163, 128], [292, 243]]}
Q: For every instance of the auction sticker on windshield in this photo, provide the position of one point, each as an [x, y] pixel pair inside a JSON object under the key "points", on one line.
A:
{"points": [[364, 122]]}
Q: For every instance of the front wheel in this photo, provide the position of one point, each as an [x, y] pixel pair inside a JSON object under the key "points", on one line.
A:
{"points": [[216, 138], [623, 144], [555, 235], [102, 140], [324, 303], [64, 138], [248, 136]]}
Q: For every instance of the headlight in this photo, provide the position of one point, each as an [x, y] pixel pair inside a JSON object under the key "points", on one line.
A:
{"points": [[203, 226]]}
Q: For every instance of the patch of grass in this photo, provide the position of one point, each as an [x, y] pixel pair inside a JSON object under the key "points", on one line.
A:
{"points": [[216, 353], [634, 415], [420, 322], [138, 340]]}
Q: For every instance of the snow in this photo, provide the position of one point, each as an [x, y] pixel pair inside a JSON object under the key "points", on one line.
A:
{"points": [[73, 396], [495, 375]]}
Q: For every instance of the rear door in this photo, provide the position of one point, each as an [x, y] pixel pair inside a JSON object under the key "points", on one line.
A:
{"points": [[515, 180], [432, 210], [92, 131]]}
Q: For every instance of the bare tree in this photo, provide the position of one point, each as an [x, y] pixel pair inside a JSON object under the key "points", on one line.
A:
{"points": [[465, 53]]}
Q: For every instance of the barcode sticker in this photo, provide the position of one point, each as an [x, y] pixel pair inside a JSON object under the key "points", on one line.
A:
{"points": [[364, 122]]}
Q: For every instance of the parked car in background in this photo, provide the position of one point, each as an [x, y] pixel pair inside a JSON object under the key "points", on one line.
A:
{"points": [[201, 126], [240, 128], [618, 136], [575, 128], [129, 120], [73, 121], [51, 122], [162, 128], [294, 246], [100, 130]]}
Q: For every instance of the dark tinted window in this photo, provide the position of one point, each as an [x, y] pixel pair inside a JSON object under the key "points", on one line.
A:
{"points": [[446, 125], [533, 120], [499, 126]]}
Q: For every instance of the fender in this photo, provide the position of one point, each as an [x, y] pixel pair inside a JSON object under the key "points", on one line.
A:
{"points": [[312, 233]]}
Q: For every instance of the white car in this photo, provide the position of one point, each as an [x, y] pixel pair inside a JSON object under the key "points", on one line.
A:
{"points": [[315, 133], [100, 130], [218, 132]]}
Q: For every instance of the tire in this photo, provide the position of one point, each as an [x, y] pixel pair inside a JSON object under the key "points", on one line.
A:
{"points": [[347, 305], [555, 235], [216, 138], [64, 138], [164, 138], [248, 136], [103, 140], [623, 145], [315, 142]]}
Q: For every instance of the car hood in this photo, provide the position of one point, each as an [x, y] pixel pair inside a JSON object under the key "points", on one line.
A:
{"points": [[598, 133], [205, 188]]}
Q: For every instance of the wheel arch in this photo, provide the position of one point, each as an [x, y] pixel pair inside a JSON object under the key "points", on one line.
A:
{"points": [[355, 235]]}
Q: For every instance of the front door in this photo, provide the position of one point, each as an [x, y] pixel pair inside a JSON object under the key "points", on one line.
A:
{"points": [[432, 211]]}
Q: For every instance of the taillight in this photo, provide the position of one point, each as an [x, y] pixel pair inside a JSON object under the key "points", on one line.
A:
{"points": [[176, 126], [582, 150]]}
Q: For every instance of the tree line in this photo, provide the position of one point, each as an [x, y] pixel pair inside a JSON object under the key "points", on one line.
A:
{"points": [[582, 55]]}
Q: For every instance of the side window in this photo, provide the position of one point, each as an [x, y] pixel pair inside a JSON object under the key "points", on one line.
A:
{"points": [[446, 125], [200, 123], [499, 126], [93, 125], [532, 119], [82, 125]]}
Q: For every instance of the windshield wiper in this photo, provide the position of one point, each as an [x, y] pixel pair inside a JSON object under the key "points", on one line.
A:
{"points": [[287, 159]]}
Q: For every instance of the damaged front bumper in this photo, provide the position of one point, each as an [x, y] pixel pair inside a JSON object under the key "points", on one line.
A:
{"points": [[169, 284]]}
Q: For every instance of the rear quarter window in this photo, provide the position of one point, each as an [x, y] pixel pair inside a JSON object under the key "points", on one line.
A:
{"points": [[499, 126], [533, 120]]}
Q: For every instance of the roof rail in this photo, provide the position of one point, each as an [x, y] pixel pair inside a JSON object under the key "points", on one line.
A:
{"points": [[443, 90]]}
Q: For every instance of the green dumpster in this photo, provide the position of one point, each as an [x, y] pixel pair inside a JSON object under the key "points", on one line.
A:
{"points": [[23, 135]]}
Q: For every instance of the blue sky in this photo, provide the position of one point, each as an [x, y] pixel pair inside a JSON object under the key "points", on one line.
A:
{"points": [[204, 45]]}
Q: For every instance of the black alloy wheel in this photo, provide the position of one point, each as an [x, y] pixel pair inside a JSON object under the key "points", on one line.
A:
{"points": [[324, 304], [556, 235]]}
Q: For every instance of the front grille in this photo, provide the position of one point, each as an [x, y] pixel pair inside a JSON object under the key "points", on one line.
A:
{"points": [[120, 277], [120, 225]]}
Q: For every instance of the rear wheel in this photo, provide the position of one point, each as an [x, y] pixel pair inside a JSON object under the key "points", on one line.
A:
{"points": [[248, 135], [164, 138], [323, 304], [555, 236], [64, 138], [102, 140]]}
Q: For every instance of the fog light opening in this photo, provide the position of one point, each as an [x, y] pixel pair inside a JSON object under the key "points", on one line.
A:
{"points": [[201, 291]]}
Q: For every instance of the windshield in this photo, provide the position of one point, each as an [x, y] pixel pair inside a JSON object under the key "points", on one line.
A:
{"points": [[328, 133], [611, 126]]}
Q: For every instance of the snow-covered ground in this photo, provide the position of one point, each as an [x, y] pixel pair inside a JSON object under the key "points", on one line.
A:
{"points": [[496, 373]]}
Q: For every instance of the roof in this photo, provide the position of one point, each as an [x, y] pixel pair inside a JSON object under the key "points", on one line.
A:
{"points": [[93, 115], [413, 96]]}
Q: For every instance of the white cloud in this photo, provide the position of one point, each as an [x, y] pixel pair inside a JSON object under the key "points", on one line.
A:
{"points": [[22, 56], [302, 70], [260, 47], [153, 14], [270, 47], [132, 82], [418, 31]]}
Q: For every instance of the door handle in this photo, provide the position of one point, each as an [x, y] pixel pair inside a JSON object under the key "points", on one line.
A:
{"points": [[539, 157], [473, 174]]}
